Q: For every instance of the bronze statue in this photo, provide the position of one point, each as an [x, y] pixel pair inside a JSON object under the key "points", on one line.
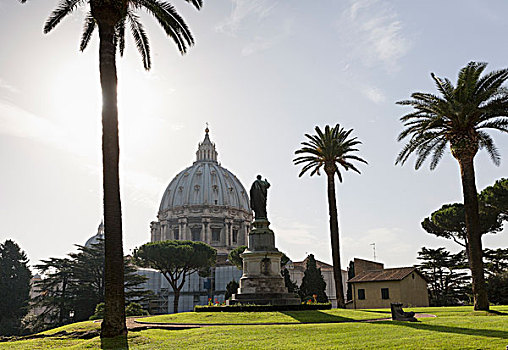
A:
{"points": [[258, 195]]}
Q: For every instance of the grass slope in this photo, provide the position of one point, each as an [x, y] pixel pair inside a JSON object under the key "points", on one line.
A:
{"points": [[453, 328], [334, 315]]}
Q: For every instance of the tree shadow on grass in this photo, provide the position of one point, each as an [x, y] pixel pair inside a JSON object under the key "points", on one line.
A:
{"points": [[498, 313], [316, 316], [491, 333], [117, 343], [376, 311]]}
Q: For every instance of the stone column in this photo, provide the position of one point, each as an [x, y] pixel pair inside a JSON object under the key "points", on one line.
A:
{"points": [[163, 232], [206, 230]]}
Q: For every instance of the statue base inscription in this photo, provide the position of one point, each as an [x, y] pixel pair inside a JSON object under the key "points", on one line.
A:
{"points": [[261, 282]]}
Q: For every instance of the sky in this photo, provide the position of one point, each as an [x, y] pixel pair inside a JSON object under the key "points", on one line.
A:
{"points": [[262, 74]]}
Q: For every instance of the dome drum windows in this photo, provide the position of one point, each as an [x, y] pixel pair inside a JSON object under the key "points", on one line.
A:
{"points": [[216, 234], [234, 236], [196, 233]]}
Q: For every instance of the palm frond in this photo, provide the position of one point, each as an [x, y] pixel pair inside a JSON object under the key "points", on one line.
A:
{"points": [[485, 141], [169, 19], [120, 36], [476, 102], [64, 8], [198, 4], [88, 30], [331, 148], [140, 39]]}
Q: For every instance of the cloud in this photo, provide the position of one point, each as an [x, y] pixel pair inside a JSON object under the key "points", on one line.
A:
{"points": [[264, 43], [243, 10], [15, 121], [374, 94], [6, 86], [372, 33]]}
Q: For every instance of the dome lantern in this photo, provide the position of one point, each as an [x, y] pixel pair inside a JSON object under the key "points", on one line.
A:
{"points": [[206, 150]]}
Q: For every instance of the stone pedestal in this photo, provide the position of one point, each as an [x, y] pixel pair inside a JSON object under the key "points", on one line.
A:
{"points": [[261, 282]]}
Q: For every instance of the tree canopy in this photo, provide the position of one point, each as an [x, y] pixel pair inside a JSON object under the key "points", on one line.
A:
{"points": [[15, 287], [72, 287], [176, 260], [234, 256], [496, 196], [450, 222], [447, 278]]}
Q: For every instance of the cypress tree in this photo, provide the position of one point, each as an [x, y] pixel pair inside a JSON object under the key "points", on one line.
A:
{"points": [[313, 282], [15, 287]]}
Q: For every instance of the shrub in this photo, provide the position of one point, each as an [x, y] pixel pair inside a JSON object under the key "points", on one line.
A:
{"points": [[261, 308]]}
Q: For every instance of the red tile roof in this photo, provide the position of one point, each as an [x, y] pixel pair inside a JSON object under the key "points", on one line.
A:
{"points": [[394, 274]]}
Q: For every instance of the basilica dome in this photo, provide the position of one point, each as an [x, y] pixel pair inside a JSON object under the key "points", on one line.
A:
{"points": [[204, 202], [205, 183]]}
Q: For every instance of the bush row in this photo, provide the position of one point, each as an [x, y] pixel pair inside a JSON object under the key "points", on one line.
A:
{"points": [[261, 308]]}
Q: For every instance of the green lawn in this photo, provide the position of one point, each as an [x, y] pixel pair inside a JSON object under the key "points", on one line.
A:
{"points": [[334, 315], [453, 328]]}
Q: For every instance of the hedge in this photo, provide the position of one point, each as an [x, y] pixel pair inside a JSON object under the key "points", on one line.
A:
{"points": [[261, 308]]}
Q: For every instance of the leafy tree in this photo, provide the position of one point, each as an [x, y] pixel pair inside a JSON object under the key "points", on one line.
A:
{"points": [[496, 196], [450, 222], [55, 297], [231, 288], [447, 279], [176, 260], [75, 285], [496, 261], [15, 287], [498, 288], [313, 282], [234, 256], [235, 259], [133, 309], [290, 285], [331, 149], [459, 117], [110, 17]]}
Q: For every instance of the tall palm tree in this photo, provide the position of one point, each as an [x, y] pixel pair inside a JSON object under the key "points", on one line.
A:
{"points": [[110, 18], [459, 117], [331, 149]]}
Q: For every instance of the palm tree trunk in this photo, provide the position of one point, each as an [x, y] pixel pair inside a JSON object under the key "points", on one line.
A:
{"points": [[474, 238], [114, 315], [334, 233]]}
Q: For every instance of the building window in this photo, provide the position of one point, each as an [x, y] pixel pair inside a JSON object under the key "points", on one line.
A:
{"points": [[385, 293], [196, 234], [176, 234], [216, 234], [235, 236], [361, 294]]}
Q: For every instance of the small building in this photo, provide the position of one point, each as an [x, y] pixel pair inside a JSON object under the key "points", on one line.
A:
{"points": [[372, 286]]}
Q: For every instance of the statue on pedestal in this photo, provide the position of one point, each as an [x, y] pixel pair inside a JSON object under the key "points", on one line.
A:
{"points": [[258, 196], [261, 281]]}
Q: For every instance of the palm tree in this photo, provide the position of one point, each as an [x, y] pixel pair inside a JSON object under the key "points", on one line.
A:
{"points": [[330, 149], [110, 18], [459, 117]]}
